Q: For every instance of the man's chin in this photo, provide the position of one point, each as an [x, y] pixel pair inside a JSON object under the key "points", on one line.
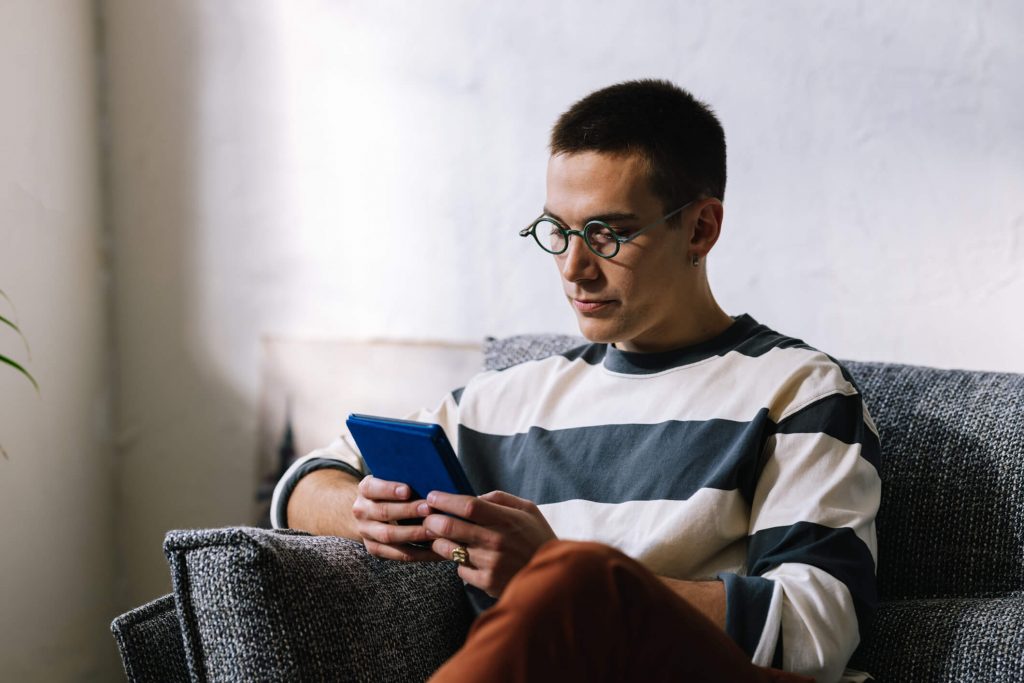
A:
{"points": [[597, 331]]}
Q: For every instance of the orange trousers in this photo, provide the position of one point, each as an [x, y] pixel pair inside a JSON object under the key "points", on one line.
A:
{"points": [[586, 612]]}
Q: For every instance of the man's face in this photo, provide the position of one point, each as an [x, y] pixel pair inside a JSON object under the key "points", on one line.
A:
{"points": [[638, 298]]}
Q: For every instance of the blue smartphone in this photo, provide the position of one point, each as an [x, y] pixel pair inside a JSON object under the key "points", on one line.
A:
{"points": [[414, 453]]}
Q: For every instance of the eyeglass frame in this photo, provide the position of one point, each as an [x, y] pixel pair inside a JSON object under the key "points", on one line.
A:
{"points": [[567, 232]]}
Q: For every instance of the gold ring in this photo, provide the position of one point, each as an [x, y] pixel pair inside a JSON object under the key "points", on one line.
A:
{"points": [[459, 555]]}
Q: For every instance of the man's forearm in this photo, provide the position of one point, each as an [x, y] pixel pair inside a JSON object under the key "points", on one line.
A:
{"points": [[708, 597], [321, 504]]}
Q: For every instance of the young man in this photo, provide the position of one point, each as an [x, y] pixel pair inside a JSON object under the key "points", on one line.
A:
{"points": [[718, 480]]}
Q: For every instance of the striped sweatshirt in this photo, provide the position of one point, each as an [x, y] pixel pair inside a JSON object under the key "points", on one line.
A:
{"points": [[749, 458]]}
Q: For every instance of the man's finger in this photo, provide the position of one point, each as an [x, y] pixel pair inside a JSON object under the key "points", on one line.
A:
{"points": [[392, 512], [457, 530], [401, 552], [392, 534], [508, 500], [473, 508], [476, 558], [381, 489]]}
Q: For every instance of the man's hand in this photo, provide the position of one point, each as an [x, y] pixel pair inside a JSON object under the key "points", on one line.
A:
{"points": [[378, 504], [499, 531]]}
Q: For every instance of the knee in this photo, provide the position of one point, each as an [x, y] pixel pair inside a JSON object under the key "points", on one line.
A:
{"points": [[563, 570], [580, 582]]}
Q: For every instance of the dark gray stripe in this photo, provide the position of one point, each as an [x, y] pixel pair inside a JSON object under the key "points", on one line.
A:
{"points": [[457, 394], [839, 416], [618, 463], [836, 551], [665, 461], [746, 336], [747, 600], [763, 339], [591, 354], [633, 363]]}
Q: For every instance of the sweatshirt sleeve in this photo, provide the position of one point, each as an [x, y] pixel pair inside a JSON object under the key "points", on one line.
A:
{"points": [[343, 454], [809, 592]]}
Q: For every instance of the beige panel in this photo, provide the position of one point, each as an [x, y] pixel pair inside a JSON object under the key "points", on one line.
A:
{"points": [[324, 381]]}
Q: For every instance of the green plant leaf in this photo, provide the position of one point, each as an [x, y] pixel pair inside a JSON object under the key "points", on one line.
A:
{"points": [[15, 327], [8, 361], [4, 295], [10, 324]]}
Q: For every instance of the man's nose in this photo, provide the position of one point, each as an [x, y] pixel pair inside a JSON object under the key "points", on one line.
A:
{"points": [[578, 262]]}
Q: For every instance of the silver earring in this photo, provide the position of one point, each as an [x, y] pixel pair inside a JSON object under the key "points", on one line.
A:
{"points": [[695, 261]]}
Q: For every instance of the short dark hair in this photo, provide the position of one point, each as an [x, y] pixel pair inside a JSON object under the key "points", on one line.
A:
{"points": [[678, 135]]}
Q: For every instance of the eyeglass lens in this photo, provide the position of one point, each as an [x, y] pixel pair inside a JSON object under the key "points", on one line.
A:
{"points": [[599, 237]]}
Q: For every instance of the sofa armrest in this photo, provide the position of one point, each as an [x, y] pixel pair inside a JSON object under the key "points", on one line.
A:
{"points": [[256, 604], [149, 639], [949, 639]]}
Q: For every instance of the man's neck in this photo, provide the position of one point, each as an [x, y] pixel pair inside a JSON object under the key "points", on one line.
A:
{"points": [[698, 329]]}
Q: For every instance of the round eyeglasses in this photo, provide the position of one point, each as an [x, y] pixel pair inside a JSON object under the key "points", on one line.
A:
{"points": [[600, 237]]}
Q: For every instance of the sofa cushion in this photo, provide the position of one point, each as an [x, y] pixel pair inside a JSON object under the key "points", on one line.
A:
{"points": [[256, 604], [504, 352], [947, 639], [952, 471], [149, 638]]}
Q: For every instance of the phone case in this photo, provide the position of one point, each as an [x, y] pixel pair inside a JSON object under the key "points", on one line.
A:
{"points": [[414, 453]]}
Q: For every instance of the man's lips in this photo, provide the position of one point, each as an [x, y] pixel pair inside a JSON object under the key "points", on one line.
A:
{"points": [[591, 305]]}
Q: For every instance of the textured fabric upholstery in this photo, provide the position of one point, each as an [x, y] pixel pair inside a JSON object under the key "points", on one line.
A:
{"points": [[951, 522], [262, 605], [504, 352], [150, 643], [270, 605], [947, 639]]}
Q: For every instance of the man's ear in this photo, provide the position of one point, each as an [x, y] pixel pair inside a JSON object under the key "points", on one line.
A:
{"points": [[707, 228]]}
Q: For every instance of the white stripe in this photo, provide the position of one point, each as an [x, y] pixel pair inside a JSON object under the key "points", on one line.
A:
{"points": [[819, 623], [684, 539], [764, 653], [817, 478], [555, 393], [446, 415]]}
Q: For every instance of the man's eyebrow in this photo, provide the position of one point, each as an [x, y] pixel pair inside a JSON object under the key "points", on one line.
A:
{"points": [[610, 217]]}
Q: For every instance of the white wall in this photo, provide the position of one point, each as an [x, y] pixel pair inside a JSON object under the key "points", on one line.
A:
{"points": [[360, 168], [57, 554]]}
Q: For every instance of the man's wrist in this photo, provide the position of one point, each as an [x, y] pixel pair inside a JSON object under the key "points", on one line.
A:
{"points": [[306, 468], [708, 597]]}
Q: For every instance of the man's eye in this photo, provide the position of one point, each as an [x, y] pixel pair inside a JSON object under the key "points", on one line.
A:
{"points": [[606, 235]]}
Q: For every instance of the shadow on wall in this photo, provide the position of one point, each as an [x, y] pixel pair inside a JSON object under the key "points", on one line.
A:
{"points": [[324, 381], [185, 434]]}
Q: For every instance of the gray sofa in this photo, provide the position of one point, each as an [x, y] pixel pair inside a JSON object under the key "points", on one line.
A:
{"points": [[251, 604]]}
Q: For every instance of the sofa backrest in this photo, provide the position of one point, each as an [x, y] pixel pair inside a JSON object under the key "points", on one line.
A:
{"points": [[951, 521]]}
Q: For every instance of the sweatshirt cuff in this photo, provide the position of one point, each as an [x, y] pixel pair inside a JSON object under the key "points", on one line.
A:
{"points": [[279, 516], [747, 602]]}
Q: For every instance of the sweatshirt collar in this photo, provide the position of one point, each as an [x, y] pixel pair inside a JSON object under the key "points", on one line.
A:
{"points": [[636, 363]]}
